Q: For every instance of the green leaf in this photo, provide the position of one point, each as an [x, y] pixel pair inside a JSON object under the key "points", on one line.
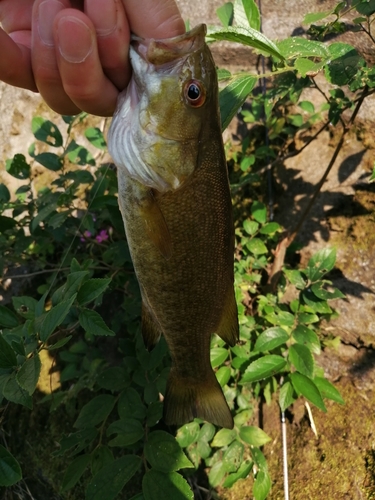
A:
{"points": [[128, 431], [93, 323], [232, 97], [242, 473], [297, 46], [223, 375], [286, 395], [313, 17], [10, 470], [218, 356], [314, 304], [79, 155], [307, 67], [247, 36], [42, 216], [262, 485], [217, 474], [50, 160], [59, 343], [114, 379], [14, 393], [188, 434], [46, 131], [207, 432], [6, 223], [25, 306], [256, 247], [321, 263], [74, 472], [223, 74], [296, 278], [343, 63], [250, 226], [4, 193], [305, 386], [7, 317], [158, 485], [95, 411], [324, 294], [8, 357], [270, 228], [233, 456], [246, 14], [164, 453], [130, 404], [76, 441], [307, 106], [264, 367], [28, 375], [366, 8], [154, 413], [18, 167], [71, 286], [91, 289], [224, 437], [328, 390], [95, 136], [111, 479], [300, 356], [54, 317], [270, 339], [307, 337], [254, 436], [259, 212], [100, 457], [225, 14]]}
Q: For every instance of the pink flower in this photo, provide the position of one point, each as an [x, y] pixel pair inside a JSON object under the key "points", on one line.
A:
{"points": [[102, 236]]}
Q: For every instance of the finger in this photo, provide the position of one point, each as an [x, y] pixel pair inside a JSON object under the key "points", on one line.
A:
{"points": [[43, 56], [154, 18], [79, 64], [16, 15], [16, 48], [113, 35]]}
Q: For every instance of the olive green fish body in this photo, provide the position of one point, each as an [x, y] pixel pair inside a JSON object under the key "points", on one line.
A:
{"points": [[180, 235]]}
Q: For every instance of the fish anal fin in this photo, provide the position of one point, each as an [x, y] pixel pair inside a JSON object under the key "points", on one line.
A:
{"points": [[186, 399], [151, 331], [228, 328], [156, 226]]}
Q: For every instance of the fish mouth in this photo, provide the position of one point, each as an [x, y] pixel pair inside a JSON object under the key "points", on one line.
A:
{"points": [[163, 52]]}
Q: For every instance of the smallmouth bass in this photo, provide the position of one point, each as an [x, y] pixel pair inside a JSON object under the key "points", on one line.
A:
{"points": [[165, 139]]}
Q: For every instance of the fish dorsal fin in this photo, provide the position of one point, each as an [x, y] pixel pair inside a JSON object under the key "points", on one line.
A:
{"points": [[151, 331], [228, 328], [156, 226]]}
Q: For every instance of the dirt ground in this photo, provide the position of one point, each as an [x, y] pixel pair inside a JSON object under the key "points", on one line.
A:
{"points": [[340, 462]]}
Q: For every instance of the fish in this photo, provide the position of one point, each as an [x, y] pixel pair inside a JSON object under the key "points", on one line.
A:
{"points": [[165, 139]]}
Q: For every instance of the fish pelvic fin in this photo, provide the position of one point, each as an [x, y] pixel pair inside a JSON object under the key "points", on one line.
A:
{"points": [[228, 328], [188, 398], [156, 226], [151, 330]]}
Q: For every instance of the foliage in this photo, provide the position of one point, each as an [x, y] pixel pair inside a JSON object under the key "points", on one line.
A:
{"points": [[66, 240]]}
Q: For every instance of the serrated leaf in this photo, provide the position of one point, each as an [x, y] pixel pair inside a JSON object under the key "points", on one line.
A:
{"points": [[93, 323], [296, 278], [95, 136], [264, 367], [300, 356], [7, 317], [256, 247], [76, 441], [28, 375], [18, 167], [188, 434], [306, 66], [247, 36], [343, 63], [8, 357], [91, 289], [25, 306], [286, 395], [157, 485], [95, 411], [250, 226], [54, 317], [128, 431], [270, 339], [324, 293], [232, 97], [296, 46], [262, 485], [224, 437], [10, 470], [59, 343], [100, 457], [130, 404], [46, 131], [218, 355], [328, 390], [225, 14], [307, 337], [314, 304], [246, 13], [164, 453], [305, 386], [366, 8], [254, 436], [111, 479], [14, 393], [74, 472]]}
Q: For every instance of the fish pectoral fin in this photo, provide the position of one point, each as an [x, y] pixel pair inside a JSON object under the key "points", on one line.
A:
{"points": [[186, 399], [151, 331], [156, 226], [228, 328]]}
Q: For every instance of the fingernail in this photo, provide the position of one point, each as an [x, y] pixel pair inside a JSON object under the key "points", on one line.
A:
{"points": [[103, 14], [74, 38], [46, 14]]}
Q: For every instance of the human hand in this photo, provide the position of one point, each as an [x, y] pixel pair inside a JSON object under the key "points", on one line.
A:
{"points": [[75, 52]]}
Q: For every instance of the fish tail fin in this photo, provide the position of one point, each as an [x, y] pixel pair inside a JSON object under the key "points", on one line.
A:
{"points": [[188, 398]]}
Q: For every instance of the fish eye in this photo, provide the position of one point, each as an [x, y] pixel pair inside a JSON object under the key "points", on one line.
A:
{"points": [[195, 93]]}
